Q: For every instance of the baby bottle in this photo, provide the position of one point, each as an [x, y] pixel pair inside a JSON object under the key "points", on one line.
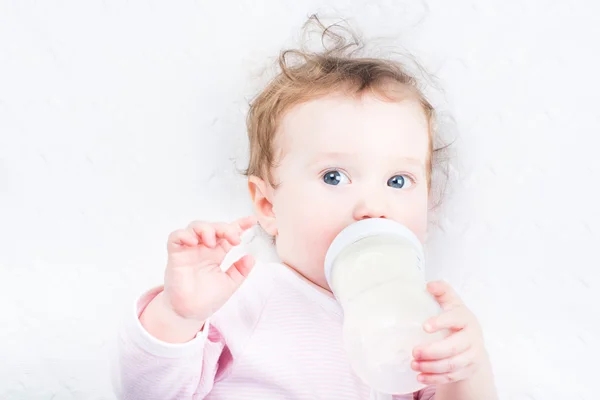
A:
{"points": [[375, 269]]}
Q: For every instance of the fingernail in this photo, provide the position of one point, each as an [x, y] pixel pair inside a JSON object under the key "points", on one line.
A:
{"points": [[428, 327], [414, 365], [421, 378], [418, 354]]}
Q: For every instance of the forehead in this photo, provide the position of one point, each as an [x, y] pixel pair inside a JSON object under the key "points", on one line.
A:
{"points": [[365, 125]]}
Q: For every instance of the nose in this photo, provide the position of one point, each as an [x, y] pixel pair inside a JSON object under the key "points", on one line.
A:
{"points": [[370, 206]]}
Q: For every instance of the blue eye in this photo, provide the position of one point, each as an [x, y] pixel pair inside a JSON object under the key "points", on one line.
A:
{"points": [[335, 177], [399, 182]]}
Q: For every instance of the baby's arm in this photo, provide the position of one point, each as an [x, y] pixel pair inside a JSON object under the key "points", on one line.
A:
{"points": [[150, 368], [166, 350], [427, 393]]}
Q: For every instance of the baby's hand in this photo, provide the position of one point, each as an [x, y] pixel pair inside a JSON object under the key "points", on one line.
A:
{"points": [[195, 286], [460, 354]]}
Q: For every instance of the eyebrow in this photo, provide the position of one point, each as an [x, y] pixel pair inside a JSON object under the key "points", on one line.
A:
{"points": [[336, 155], [344, 156]]}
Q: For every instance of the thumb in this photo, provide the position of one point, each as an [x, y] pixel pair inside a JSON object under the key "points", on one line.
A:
{"points": [[240, 269], [444, 294]]}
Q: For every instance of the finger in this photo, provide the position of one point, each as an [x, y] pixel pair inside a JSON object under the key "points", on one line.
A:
{"points": [[444, 294], [446, 365], [455, 344], [225, 245], [230, 232], [455, 319], [182, 237], [247, 222], [205, 231], [240, 269], [441, 379]]}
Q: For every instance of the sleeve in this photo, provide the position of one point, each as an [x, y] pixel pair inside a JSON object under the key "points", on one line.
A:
{"points": [[147, 368], [427, 393]]}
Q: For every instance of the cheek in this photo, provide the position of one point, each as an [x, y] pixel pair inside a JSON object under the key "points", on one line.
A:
{"points": [[419, 227], [306, 218], [414, 216]]}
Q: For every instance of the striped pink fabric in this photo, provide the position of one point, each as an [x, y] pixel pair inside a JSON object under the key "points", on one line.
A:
{"points": [[277, 338]]}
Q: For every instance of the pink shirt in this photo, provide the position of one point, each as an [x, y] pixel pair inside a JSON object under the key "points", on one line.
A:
{"points": [[278, 337]]}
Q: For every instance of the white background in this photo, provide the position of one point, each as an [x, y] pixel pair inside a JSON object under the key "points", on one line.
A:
{"points": [[121, 121]]}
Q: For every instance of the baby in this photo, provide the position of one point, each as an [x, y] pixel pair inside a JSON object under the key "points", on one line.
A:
{"points": [[334, 139]]}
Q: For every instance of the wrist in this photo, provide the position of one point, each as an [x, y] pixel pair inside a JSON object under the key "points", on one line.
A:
{"points": [[162, 322], [175, 317]]}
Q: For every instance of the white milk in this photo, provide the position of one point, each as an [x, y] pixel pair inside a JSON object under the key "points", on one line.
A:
{"points": [[374, 268]]}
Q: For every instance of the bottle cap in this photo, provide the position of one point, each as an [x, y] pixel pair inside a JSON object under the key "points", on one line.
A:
{"points": [[365, 228]]}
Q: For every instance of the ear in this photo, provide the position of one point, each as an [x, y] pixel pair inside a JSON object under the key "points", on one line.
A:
{"points": [[261, 194]]}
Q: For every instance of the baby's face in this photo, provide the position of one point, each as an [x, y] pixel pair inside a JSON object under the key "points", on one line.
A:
{"points": [[344, 160]]}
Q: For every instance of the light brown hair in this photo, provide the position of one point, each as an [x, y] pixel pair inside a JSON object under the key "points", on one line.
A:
{"points": [[316, 74]]}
